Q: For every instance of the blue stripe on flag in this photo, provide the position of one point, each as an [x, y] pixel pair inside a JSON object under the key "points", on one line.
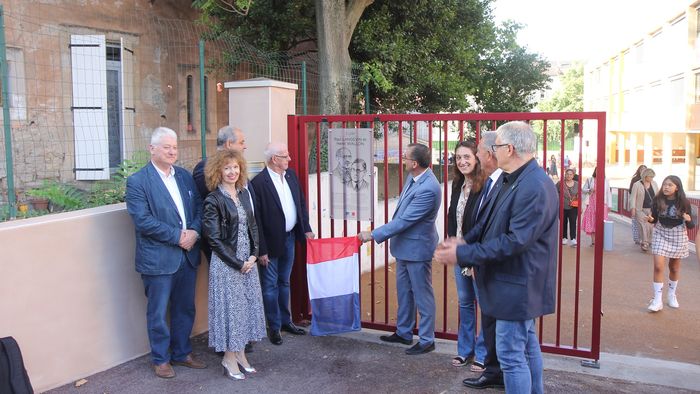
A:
{"points": [[335, 315]]}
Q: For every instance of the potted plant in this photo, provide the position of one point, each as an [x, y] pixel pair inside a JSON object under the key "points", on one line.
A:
{"points": [[56, 195]]}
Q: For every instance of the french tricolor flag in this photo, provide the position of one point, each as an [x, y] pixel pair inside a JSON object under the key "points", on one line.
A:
{"points": [[334, 289]]}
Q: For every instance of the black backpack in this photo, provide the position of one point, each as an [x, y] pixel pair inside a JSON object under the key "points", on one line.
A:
{"points": [[13, 375]]}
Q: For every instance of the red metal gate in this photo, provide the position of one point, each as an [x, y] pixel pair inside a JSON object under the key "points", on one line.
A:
{"points": [[574, 329]]}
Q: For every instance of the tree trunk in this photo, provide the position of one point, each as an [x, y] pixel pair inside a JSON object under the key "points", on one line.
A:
{"points": [[335, 23]]}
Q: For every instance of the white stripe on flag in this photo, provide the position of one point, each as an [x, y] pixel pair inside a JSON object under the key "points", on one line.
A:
{"points": [[333, 278]]}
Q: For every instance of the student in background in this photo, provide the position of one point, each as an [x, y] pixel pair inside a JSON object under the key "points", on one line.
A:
{"points": [[671, 214]]}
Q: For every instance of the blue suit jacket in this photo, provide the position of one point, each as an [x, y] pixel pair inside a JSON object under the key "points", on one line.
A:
{"points": [[157, 221], [412, 228], [270, 216], [514, 247]]}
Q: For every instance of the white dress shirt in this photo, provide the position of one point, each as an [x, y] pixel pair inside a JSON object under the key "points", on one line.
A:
{"points": [[171, 184], [285, 195]]}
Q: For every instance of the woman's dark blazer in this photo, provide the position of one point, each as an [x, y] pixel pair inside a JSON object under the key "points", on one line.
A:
{"points": [[220, 224], [468, 218]]}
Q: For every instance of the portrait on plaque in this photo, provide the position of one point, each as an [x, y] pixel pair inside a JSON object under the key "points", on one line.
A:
{"points": [[351, 167]]}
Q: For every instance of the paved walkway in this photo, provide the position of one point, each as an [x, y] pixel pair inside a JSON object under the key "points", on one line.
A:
{"points": [[642, 352], [627, 327], [359, 363]]}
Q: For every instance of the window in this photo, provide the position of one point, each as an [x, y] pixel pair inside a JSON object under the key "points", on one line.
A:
{"points": [[102, 104], [15, 88], [114, 108], [205, 102], [190, 104]]}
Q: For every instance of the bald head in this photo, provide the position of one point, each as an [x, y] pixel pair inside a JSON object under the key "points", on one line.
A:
{"points": [[277, 156]]}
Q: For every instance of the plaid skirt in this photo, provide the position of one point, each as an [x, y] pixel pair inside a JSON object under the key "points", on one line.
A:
{"points": [[670, 242], [635, 230]]}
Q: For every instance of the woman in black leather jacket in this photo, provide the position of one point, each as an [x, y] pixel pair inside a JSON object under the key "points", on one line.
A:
{"points": [[235, 301]]}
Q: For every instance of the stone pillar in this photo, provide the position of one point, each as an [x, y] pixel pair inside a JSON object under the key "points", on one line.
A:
{"points": [[260, 107], [690, 160], [667, 149], [633, 150], [648, 150], [620, 148]]}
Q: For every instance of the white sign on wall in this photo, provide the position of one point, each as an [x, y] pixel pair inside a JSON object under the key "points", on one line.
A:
{"points": [[351, 170]]}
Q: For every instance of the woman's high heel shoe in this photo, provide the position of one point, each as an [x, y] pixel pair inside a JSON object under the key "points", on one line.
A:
{"points": [[247, 369], [230, 375]]}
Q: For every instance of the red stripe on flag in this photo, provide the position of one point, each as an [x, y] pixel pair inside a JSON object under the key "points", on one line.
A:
{"points": [[327, 249]]}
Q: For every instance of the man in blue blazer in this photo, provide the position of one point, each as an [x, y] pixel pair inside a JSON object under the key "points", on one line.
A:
{"points": [[282, 220], [163, 202], [514, 252], [413, 240]]}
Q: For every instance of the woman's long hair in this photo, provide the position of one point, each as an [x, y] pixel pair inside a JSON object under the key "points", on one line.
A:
{"points": [[216, 163], [637, 176], [682, 203], [476, 176]]}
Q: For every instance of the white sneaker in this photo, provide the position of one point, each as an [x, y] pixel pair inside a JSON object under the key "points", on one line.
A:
{"points": [[564, 241], [673, 301], [655, 305], [573, 242]]}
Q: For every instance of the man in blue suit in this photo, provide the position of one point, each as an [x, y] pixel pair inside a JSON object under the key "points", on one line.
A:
{"points": [[163, 202], [413, 240], [282, 220], [514, 252]]}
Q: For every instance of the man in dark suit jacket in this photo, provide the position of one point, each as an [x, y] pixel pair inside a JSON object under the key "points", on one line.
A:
{"points": [[283, 220], [514, 252], [229, 137], [413, 239], [164, 204], [491, 375]]}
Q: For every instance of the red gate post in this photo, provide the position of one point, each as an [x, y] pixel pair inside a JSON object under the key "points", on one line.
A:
{"points": [[299, 150]]}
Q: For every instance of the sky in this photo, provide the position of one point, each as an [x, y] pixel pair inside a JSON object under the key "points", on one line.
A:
{"points": [[567, 30]]}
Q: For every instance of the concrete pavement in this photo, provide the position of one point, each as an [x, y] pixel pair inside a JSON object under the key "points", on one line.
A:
{"points": [[360, 363], [642, 352]]}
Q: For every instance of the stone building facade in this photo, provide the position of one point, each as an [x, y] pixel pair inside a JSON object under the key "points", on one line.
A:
{"points": [[89, 81]]}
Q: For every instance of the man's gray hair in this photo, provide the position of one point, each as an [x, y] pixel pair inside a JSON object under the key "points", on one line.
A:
{"points": [[161, 132], [520, 135], [226, 133], [488, 138]]}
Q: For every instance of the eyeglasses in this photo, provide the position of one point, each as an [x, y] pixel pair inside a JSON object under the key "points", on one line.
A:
{"points": [[406, 158], [496, 146], [286, 157]]}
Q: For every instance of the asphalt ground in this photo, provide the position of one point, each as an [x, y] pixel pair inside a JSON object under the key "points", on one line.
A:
{"points": [[358, 363], [641, 352]]}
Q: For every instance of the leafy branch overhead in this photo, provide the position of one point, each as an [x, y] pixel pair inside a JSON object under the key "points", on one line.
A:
{"points": [[423, 55]]}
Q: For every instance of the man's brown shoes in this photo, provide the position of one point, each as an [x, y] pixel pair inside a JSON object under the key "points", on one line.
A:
{"points": [[164, 371], [190, 362]]}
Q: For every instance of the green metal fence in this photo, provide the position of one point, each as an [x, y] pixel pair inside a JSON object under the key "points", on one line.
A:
{"points": [[82, 89]]}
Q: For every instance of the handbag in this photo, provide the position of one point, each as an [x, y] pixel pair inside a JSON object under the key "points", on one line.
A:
{"points": [[573, 203]]}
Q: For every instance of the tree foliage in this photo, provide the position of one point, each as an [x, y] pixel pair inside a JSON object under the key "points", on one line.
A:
{"points": [[568, 98], [423, 55], [270, 25], [509, 75]]}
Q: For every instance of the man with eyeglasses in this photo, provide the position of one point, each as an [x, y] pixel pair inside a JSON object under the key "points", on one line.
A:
{"points": [[513, 249], [413, 239], [283, 221]]}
